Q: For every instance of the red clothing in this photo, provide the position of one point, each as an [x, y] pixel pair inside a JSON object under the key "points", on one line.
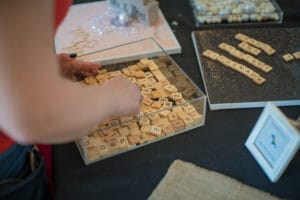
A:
{"points": [[60, 9], [5, 142]]}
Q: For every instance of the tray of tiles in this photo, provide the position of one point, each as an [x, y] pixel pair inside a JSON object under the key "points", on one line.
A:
{"points": [[243, 68], [172, 104]]}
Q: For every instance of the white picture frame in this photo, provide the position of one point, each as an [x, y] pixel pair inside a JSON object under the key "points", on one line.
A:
{"points": [[273, 142]]}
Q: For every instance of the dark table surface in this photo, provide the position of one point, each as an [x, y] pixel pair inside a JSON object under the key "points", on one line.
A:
{"points": [[218, 146]]}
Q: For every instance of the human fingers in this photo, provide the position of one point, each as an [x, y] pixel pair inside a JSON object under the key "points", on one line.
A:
{"points": [[85, 67]]}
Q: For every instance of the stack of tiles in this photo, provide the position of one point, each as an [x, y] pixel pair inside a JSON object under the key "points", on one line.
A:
{"points": [[167, 108]]}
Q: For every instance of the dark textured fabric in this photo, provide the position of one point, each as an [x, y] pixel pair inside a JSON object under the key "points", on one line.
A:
{"points": [[13, 161], [23, 183]]}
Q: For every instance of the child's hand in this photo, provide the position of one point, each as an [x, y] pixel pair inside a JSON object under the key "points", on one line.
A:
{"points": [[70, 66], [125, 96]]}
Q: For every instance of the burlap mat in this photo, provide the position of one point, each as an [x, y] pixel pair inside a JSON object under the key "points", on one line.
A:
{"points": [[187, 181]]}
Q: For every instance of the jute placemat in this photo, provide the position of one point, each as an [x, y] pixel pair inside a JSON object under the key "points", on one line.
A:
{"points": [[187, 181]]}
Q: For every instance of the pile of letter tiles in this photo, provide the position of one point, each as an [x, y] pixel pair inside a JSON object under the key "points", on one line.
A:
{"points": [[171, 104], [236, 11]]}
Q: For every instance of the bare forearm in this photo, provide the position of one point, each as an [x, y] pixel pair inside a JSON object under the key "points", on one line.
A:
{"points": [[37, 105], [54, 114]]}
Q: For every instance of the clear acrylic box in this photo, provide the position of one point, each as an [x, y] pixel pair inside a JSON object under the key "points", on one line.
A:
{"points": [[172, 102], [236, 12]]}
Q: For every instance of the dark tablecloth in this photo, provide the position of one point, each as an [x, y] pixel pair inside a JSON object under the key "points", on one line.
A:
{"points": [[218, 146]]}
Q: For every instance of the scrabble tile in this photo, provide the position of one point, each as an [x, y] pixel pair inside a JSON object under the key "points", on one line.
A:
{"points": [[265, 47], [249, 49], [123, 131], [178, 125], [113, 145], [164, 94], [196, 117], [100, 77], [116, 73], [139, 74], [168, 129], [210, 54], [90, 80], [107, 131], [170, 88], [155, 130], [188, 121], [172, 116], [164, 82], [241, 37], [146, 91], [145, 128], [164, 113], [150, 137], [157, 122], [180, 101], [148, 75], [176, 96], [162, 100], [267, 68], [127, 72], [177, 109], [111, 136], [103, 149], [137, 139], [153, 116], [144, 121], [156, 94], [133, 68], [134, 131], [158, 75], [125, 119], [114, 123], [259, 80], [146, 110], [269, 51], [156, 104], [123, 142], [93, 153], [145, 61], [188, 108], [167, 104], [288, 57], [132, 125], [147, 101], [86, 142], [152, 67], [132, 79], [142, 138], [223, 46], [133, 139], [97, 141], [297, 55], [102, 71]]}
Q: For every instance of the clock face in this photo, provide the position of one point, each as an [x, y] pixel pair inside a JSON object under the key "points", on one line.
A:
{"points": [[272, 141]]}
